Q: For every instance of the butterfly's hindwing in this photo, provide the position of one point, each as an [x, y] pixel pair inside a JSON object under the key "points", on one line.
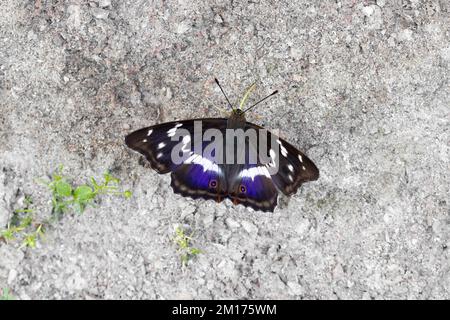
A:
{"points": [[294, 167], [192, 180], [253, 187], [250, 184], [200, 175]]}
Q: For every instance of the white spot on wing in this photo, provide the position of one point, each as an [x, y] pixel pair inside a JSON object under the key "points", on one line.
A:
{"points": [[303, 167], [159, 155], [300, 158], [161, 145], [290, 178], [149, 132], [273, 156], [145, 140], [254, 171], [272, 153], [282, 148], [290, 167], [171, 132]]}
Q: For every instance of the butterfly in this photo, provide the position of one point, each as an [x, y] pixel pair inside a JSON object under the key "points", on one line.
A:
{"points": [[198, 174]]}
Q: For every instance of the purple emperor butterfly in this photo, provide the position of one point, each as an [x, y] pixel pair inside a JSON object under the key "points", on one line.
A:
{"points": [[200, 174]]}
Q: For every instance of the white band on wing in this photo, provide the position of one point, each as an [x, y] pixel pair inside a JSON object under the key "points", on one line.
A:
{"points": [[207, 164], [254, 171]]}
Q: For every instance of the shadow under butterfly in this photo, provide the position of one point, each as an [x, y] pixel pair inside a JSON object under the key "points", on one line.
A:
{"points": [[200, 177]]}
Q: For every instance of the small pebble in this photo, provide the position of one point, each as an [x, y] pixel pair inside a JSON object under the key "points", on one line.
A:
{"points": [[218, 19], [368, 11], [405, 35], [104, 3], [100, 13], [12, 276], [295, 288], [232, 224], [249, 227]]}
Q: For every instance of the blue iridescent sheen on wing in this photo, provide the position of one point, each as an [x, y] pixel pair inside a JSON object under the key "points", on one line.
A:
{"points": [[253, 187], [194, 181]]}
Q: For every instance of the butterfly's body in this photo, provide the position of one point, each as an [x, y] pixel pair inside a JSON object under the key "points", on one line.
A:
{"points": [[201, 175], [236, 120], [231, 171]]}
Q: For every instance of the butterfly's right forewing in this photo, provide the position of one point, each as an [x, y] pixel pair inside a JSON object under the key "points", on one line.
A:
{"points": [[155, 143], [196, 176]]}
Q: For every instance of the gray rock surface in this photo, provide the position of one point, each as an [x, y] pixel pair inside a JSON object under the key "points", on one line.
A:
{"points": [[364, 91]]}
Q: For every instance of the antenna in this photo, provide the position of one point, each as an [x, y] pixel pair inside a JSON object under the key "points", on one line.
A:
{"points": [[217, 81], [273, 93]]}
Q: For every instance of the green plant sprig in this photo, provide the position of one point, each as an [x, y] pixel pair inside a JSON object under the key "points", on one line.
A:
{"points": [[187, 252], [65, 196], [27, 230], [22, 225]]}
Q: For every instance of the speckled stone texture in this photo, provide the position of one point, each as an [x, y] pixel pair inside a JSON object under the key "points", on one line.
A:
{"points": [[364, 91]]}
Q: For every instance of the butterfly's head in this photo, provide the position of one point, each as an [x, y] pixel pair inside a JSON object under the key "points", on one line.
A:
{"points": [[238, 111], [246, 95], [237, 115]]}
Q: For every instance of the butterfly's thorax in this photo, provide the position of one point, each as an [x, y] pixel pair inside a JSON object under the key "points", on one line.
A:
{"points": [[236, 120]]}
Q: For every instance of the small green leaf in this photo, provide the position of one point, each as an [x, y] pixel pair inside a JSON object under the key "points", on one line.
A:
{"points": [[184, 259], [40, 231], [29, 241], [8, 234], [195, 251], [63, 189], [127, 194], [110, 178], [83, 193], [23, 210], [184, 246], [28, 200]]}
